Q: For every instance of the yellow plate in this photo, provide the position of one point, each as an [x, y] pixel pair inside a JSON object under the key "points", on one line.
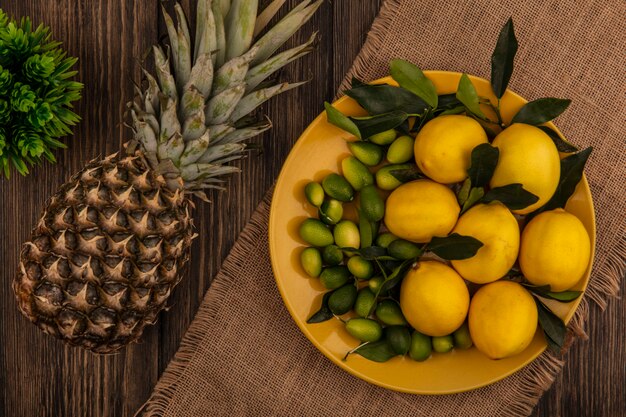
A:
{"points": [[319, 152]]}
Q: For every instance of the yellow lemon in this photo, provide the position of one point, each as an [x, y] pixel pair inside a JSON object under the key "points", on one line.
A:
{"points": [[502, 319], [434, 298], [443, 147], [421, 209], [555, 250], [528, 157], [495, 226]]}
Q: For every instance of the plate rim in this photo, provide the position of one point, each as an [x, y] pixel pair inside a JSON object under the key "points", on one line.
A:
{"points": [[302, 325]]}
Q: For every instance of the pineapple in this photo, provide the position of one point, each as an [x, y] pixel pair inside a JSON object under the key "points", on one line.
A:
{"points": [[112, 242]]}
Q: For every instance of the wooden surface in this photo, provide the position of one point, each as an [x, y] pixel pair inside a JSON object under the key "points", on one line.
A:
{"points": [[41, 377]]}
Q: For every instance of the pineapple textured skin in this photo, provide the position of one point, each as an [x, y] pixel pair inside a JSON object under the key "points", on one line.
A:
{"points": [[105, 254]]}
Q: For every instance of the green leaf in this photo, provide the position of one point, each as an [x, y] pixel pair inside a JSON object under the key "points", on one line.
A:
{"points": [[384, 98], [475, 194], [514, 196], [483, 163], [454, 246], [406, 175], [454, 110], [463, 193], [502, 59], [562, 296], [448, 101], [561, 145], [396, 276], [380, 351], [324, 312], [371, 125], [410, 77], [572, 168], [466, 93], [365, 230], [340, 120], [553, 327], [541, 110]]}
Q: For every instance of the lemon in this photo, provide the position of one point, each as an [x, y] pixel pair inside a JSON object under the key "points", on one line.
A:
{"points": [[443, 147], [502, 319], [495, 226], [434, 298], [421, 209], [555, 250], [528, 157]]}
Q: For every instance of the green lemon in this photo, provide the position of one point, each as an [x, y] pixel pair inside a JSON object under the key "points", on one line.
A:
{"points": [[399, 338], [314, 193], [332, 255], [462, 338], [347, 235], [375, 283], [403, 249], [331, 211], [356, 173], [384, 239], [368, 153], [401, 150], [338, 187], [389, 312], [365, 302], [311, 261], [384, 138], [360, 268], [385, 180], [443, 344], [421, 346], [334, 277], [342, 299], [366, 330], [372, 205], [316, 233]]}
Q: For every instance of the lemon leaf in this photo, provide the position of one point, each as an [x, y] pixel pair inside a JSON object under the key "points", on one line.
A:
{"points": [[502, 59], [384, 98], [324, 312], [406, 175], [466, 93], [514, 196], [410, 77], [371, 125], [380, 351], [483, 163], [454, 246], [553, 327], [340, 120], [475, 194], [561, 296], [541, 110], [571, 173]]}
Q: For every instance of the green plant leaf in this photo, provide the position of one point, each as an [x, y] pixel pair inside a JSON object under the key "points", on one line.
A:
{"points": [[406, 175], [340, 120], [371, 253], [483, 163], [466, 93], [502, 59], [384, 98], [572, 168], [454, 246], [553, 327], [323, 313], [411, 78], [371, 125], [454, 110], [561, 296], [475, 194], [514, 196], [396, 276], [463, 194], [541, 110], [561, 145], [448, 101], [380, 351]]}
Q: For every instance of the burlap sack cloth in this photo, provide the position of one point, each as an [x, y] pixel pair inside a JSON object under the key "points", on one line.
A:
{"points": [[227, 366]]}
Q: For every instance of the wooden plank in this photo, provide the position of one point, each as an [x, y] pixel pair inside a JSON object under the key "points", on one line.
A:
{"points": [[41, 377]]}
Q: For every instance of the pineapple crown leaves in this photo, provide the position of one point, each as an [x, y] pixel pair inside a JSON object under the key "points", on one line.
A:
{"points": [[36, 92], [195, 113]]}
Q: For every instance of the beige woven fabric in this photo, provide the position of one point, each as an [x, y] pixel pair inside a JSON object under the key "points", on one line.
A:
{"points": [[574, 49]]}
